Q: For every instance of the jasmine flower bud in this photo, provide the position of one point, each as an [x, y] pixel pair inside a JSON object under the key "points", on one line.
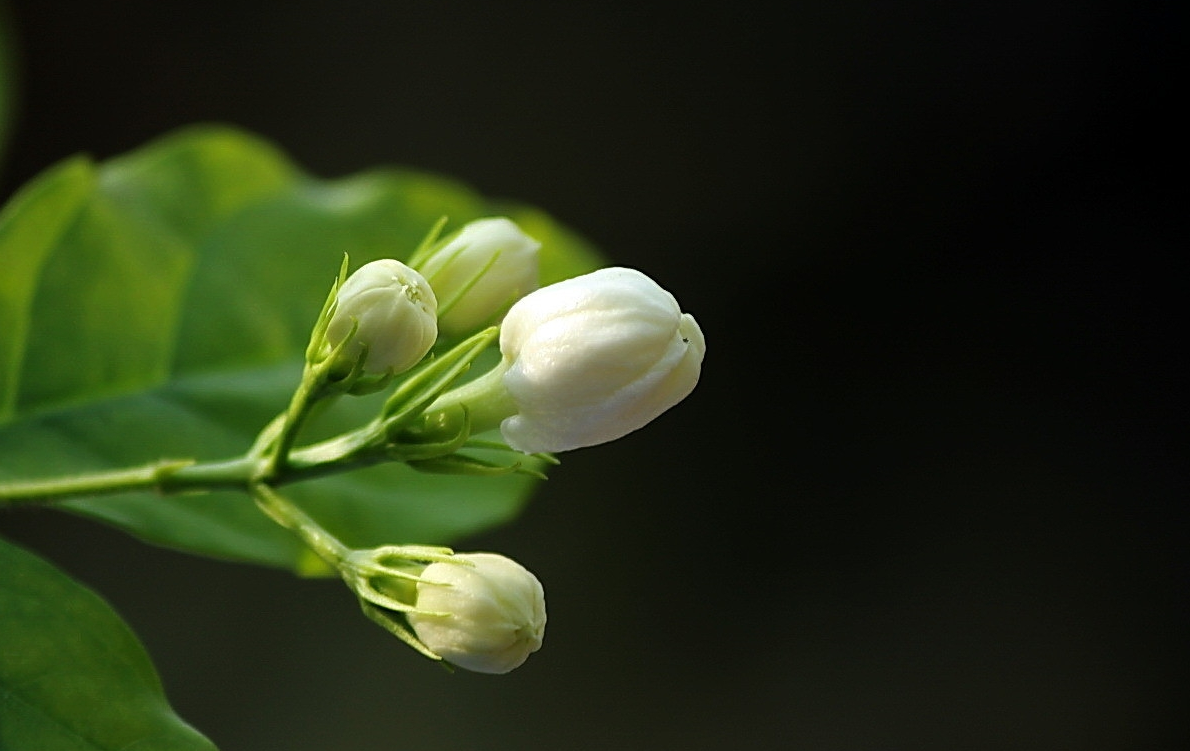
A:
{"points": [[479, 271], [589, 359], [393, 312], [480, 611]]}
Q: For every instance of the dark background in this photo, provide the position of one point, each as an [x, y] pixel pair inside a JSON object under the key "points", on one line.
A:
{"points": [[930, 493]]}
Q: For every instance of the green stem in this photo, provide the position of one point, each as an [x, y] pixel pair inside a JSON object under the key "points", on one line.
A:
{"points": [[165, 476], [288, 515], [306, 393], [170, 476], [268, 435], [144, 477], [273, 457]]}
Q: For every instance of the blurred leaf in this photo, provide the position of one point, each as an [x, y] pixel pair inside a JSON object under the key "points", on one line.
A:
{"points": [[157, 306], [73, 676]]}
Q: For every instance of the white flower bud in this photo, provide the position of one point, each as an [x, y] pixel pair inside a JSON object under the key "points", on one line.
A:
{"points": [[487, 617], [593, 358], [487, 265], [397, 316]]}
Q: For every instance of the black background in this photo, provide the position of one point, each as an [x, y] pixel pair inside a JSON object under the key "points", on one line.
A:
{"points": [[930, 493]]}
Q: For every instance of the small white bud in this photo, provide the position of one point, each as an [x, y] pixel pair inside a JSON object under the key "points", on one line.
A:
{"points": [[397, 316], [487, 617], [592, 358], [479, 271]]}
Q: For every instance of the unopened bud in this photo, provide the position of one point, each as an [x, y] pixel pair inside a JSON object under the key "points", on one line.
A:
{"points": [[480, 611], [592, 358], [479, 271], [394, 313]]}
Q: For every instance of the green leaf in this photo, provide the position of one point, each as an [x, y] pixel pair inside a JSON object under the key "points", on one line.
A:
{"points": [[157, 305], [73, 676]]}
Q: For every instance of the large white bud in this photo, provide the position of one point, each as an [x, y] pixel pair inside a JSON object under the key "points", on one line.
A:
{"points": [[595, 357]]}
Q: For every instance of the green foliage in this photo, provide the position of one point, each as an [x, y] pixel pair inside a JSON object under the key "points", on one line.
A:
{"points": [[157, 305], [73, 677]]}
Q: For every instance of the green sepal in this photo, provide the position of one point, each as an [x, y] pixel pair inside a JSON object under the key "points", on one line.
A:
{"points": [[411, 445], [477, 443], [338, 374], [444, 306], [314, 350], [395, 624], [423, 386], [428, 244], [461, 464]]}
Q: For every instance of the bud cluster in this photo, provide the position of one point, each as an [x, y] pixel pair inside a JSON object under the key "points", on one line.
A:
{"points": [[583, 361]]}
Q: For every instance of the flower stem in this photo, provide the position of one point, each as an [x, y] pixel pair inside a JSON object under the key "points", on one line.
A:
{"points": [[352, 450], [274, 457], [288, 515], [304, 396]]}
